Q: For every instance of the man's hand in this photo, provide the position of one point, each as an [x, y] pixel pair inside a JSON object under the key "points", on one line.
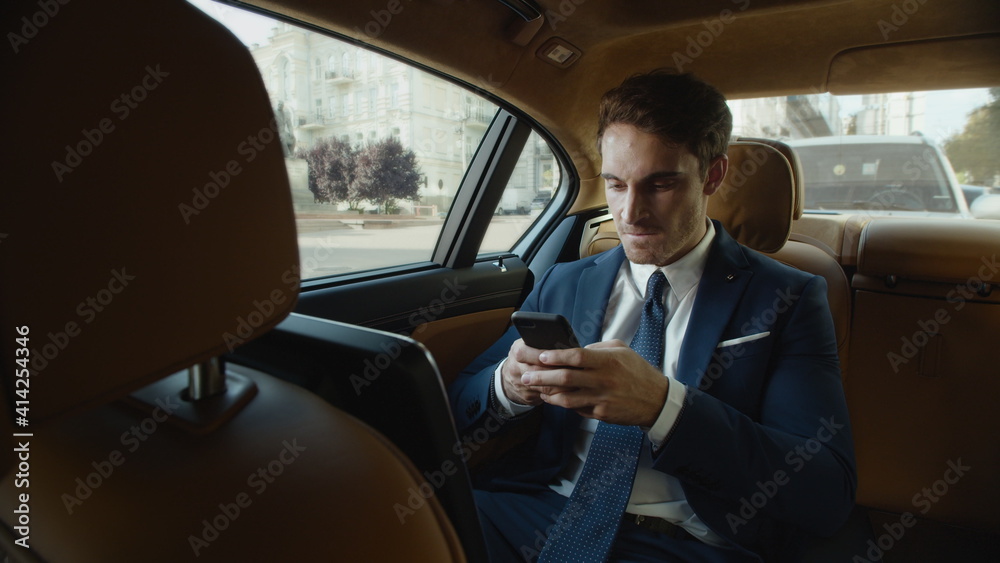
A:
{"points": [[608, 381], [520, 359]]}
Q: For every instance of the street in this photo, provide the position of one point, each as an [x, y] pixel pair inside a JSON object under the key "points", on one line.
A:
{"points": [[330, 247]]}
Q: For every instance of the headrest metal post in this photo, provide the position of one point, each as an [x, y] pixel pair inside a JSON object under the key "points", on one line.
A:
{"points": [[206, 380]]}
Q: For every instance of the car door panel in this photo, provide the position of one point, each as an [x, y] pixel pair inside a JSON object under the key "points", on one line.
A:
{"points": [[456, 341], [400, 303]]}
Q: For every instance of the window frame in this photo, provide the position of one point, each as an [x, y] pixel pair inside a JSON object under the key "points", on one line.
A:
{"points": [[482, 184]]}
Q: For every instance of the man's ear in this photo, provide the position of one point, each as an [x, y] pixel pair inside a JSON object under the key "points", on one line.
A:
{"points": [[717, 169]]}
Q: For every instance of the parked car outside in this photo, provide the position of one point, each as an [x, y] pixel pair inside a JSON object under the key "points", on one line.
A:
{"points": [[972, 193], [880, 174], [541, 200]]}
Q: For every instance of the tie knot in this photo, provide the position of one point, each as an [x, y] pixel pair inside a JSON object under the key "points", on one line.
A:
{"points": [[654, 287]]}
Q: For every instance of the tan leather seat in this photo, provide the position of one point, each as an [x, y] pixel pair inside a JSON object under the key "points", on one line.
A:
{"points": [[761, 196], [923, 381], [757, 202], [809, 258], [142, 239]]}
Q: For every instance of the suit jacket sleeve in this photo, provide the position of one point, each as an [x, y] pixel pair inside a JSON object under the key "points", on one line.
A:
{"points": [[765, 430]]}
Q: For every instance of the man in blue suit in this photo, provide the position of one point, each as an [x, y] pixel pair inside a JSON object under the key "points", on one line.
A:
{"points": [[746, 443]]}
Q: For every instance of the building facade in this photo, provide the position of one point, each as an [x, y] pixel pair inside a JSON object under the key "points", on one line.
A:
{"points": [[787, 117], [329, 88], [898, 113]]}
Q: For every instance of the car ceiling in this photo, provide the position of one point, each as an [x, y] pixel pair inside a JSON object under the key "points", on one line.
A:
{"points": [[746, 48]]}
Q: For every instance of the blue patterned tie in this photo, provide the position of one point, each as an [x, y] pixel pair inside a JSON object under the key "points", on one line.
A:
{"points": [[588, 524]]}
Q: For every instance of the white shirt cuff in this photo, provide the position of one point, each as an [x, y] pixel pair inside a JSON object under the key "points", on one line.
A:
{"points": [[512, 409], [676, 395]]}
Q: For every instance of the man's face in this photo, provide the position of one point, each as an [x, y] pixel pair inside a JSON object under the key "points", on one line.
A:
{"points": [[656, 194]]}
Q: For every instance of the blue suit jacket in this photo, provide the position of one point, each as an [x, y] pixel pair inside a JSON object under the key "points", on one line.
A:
{"points": [[762, 446]]}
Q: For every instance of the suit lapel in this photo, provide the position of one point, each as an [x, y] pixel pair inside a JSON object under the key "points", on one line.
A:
{"points": [[722, 285], [592, 296]]}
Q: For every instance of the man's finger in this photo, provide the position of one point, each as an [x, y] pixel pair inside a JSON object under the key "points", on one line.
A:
{"points": [[571, 357], [577, 399], [555, 378], [607, 344], [524, 354]]}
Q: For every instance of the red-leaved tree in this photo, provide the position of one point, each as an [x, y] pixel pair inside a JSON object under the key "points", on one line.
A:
{"points": [[386, 172], [331, 165]]}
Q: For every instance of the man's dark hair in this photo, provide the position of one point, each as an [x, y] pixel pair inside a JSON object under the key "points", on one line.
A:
{"points": [[679, 108]]}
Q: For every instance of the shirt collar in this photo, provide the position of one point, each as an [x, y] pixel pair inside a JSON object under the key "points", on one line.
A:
{"points": [[683, 274]]}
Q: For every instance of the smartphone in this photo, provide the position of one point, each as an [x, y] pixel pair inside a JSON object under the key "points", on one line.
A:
{"points": [[545, 331]]}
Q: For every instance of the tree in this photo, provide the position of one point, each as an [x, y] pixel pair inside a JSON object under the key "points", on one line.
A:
{"points": [[974, 151], [331, 171], [387, 172]]}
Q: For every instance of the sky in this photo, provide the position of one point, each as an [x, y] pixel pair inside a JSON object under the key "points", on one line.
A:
{"points": [[248, 27], [948, 111]]}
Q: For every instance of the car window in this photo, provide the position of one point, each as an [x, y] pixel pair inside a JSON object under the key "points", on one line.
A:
{"points": [[901, 153], [529, 191], [375, 149]]}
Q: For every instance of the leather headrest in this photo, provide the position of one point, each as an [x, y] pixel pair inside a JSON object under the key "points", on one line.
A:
{"points": [[760, 196], [798, 195], [146, 207]]}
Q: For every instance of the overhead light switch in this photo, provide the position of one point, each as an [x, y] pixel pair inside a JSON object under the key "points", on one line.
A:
{"points": [[558, 52]]}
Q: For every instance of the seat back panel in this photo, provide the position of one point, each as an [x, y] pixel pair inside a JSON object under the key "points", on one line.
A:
{"points": [[921, 390], [923, 379]]}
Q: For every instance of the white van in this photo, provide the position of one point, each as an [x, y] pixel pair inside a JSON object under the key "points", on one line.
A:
{"points": [[880, 174]]}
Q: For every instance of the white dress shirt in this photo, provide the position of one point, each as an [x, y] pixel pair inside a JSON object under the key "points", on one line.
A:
{"points": [[654, 493]]}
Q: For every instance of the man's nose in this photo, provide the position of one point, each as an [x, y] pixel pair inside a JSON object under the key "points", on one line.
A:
{"points": [[634, 207]]}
